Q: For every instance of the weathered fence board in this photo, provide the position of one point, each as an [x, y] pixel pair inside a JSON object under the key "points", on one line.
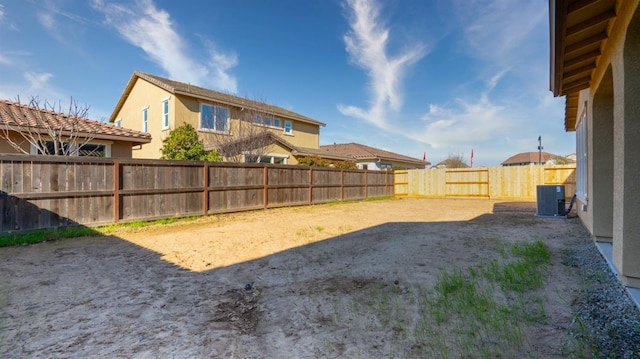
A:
{"points": [[48, 191], [508, 183]]}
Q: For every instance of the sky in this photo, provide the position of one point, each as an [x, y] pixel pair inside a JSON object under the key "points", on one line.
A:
{"points": [[415, 77]]}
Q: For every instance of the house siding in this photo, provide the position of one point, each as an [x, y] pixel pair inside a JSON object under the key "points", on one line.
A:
{"points": [[143, 94], [184, 108], [610, 209]]}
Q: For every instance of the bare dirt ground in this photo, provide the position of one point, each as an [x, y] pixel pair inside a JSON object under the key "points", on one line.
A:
{"points": [[284, 283]]}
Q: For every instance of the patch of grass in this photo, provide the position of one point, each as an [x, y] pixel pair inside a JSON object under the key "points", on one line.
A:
{"points": [[143, 224], [478, 312], [12, 239], [37, 236]]}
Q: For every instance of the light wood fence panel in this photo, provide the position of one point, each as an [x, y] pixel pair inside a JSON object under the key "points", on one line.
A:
{"points": [[508, 183]]}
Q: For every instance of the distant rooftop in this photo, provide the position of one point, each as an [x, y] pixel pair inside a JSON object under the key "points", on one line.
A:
{"points": [[362, 152]]}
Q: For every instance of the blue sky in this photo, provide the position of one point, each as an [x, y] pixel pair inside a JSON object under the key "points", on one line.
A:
{"points": [[408, 76]]}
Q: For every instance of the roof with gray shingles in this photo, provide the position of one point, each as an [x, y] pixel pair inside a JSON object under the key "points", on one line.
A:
{"points": [[185, 89]]}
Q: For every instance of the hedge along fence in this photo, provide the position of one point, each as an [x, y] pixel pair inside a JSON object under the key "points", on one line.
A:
{"points": [[507, 183], [40, 192]]}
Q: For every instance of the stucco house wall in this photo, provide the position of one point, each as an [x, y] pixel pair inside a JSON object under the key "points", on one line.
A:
{"points": [[186, 107], [607, 114]]}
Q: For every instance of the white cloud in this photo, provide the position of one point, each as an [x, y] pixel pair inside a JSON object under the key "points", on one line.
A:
{"points": [[1, 12], [4, 60], [496, 30], [468, 124], [366, 44], [152, 29], [35, 84], [47, 21]]}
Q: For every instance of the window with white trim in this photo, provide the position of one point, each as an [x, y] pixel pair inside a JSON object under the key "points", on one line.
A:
{"points": [[267, 121], [119, 122], [582, 150], [274, 159], [214, 118], [288, 127], [85, 150], [165, 114], [145, 119]]}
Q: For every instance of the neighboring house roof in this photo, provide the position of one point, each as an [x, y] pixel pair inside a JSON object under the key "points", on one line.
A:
{"points": [[13, 115], [358, 152], [185, 89], [528, 157]]}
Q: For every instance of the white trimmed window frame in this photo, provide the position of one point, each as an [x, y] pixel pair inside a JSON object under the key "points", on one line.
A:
{"points": [[107, 147], [145, 119], [215, 120], [288, 127], [582, 151], [165, 113]]}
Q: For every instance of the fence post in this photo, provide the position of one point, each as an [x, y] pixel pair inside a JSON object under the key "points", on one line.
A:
{"points": [[386, 181], [205, 187], [366, 184], [310, 185], [265, 182], [342, 185], [116, 191]]}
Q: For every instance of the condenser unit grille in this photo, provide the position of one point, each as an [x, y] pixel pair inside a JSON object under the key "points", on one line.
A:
{"points": [[551, 200]]}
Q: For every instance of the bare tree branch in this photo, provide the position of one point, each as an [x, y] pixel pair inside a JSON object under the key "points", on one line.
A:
{"points": [[250, 135], [47, 129]]}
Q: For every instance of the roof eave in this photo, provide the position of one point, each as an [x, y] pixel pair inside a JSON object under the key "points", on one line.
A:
{"points": [[557, 20]]}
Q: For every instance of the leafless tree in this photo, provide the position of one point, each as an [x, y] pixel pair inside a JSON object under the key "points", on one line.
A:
{"points": [[251, 133], [453, 161], [45, 127]]}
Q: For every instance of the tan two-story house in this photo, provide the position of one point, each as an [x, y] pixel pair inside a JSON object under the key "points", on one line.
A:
{"points": [[157, 105]]}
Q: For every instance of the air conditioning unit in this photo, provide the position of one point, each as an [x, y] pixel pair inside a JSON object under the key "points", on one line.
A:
{"points": [[551, 201]]}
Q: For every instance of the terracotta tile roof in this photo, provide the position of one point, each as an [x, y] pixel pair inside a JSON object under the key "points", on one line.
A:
{"points": [[527, 158], [362, 152], [14, 114], [181, 88]]}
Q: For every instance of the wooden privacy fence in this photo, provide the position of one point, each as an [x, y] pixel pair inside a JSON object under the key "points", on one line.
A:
{"points": [[48, 191], [509, 183]]}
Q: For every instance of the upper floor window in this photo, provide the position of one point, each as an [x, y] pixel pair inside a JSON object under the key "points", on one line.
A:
{"points": [[145, 119], [165, 114], [214, 118], [267, 121], [288, 127], [119, 123]]}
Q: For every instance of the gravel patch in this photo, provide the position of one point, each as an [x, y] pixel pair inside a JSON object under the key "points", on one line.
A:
{"points": [[605, 316]]}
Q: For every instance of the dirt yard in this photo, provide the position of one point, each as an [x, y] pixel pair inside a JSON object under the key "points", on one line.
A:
{"points": [[326, 281]]}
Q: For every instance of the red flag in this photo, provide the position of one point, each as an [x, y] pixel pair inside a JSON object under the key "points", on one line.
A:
{"points": [[424, 157], [472, 158]]}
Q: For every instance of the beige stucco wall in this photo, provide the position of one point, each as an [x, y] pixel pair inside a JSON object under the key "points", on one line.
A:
{"points": [[145, 95], [121, 150], [5, 147], [612, 209]]}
